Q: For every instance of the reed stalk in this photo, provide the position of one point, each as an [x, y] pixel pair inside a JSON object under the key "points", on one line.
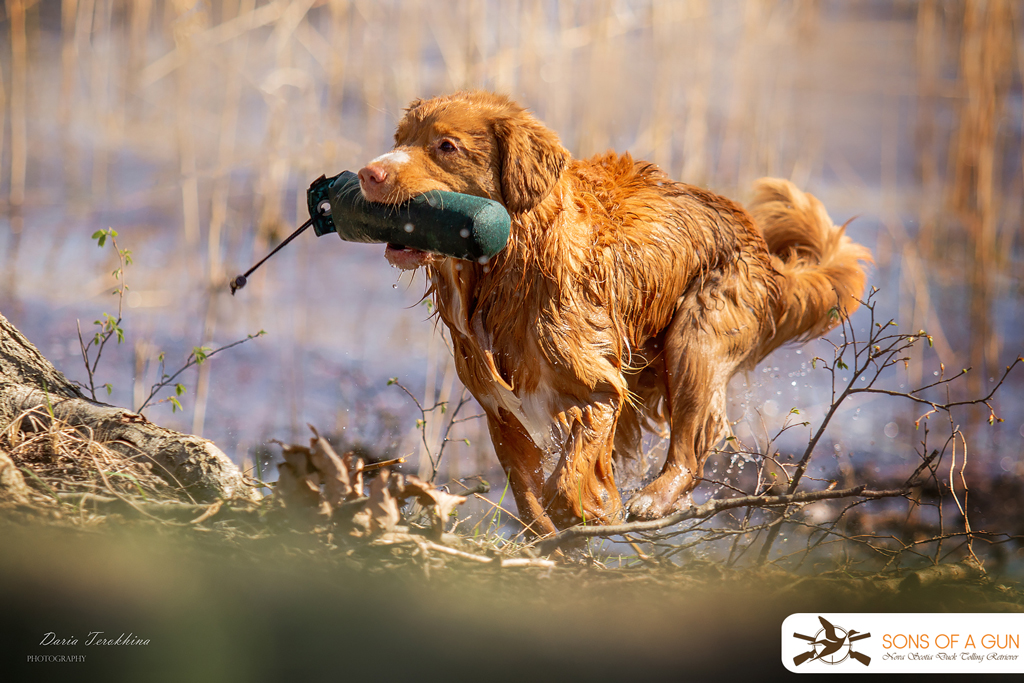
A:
{"points": [[987, 54], [19, 107]]}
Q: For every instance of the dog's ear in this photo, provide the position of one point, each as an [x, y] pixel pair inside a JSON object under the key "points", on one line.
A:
{"points": [[531, 157], [408, 118]]}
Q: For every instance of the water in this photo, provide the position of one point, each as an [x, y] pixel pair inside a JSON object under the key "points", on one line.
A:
{"points": [[241, 127]]}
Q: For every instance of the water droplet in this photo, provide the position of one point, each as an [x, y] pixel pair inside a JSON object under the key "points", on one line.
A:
{"points": [[464, 233], [394, 286], [408, 227], [891, 430]]}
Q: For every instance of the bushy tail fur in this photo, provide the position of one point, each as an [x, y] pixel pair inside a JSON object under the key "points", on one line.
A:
{"points": [[821, 268]]}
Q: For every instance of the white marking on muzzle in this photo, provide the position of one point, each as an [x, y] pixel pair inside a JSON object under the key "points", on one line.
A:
{"points": [[393, 158]]}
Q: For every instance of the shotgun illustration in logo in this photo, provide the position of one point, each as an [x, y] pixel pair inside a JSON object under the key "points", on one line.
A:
{"points": [[832, 645]]}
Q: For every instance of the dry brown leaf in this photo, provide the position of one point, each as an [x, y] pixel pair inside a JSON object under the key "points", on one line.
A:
{"points": [[316, 478], [334, 472], [298, 458], [381, 505], [354, 465], [360, 523], [428, 494], [296, 490], [298, 481]]}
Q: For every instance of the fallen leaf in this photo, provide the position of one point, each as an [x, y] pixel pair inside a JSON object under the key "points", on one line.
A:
{"points": [[381, 505], [333, 470], [296, 487], [354, 465], [428, 495]]}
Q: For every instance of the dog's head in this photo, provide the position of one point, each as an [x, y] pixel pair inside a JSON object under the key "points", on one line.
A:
{"points": [[475, 143]]}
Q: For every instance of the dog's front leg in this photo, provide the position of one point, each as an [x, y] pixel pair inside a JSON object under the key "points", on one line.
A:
{"points": [[582, 486], [521, 460]]}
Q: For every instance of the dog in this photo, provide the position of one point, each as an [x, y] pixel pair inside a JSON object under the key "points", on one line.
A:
{"points": [[623, 300]]}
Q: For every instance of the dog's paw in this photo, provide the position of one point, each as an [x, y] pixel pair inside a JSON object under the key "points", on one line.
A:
{"points": [[647, 505], [656, 500]]}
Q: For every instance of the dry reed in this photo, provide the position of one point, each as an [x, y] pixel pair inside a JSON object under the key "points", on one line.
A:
{"points": [[59, 457]]}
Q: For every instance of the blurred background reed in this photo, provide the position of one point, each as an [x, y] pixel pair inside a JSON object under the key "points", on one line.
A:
{"points": [[193, 129]]}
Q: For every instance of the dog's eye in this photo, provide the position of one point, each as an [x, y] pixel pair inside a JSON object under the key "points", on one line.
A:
{"points": [[447, 146]]}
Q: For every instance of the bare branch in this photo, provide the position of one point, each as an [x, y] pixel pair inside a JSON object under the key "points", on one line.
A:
{"points": [[708, 509], [192, 359]]}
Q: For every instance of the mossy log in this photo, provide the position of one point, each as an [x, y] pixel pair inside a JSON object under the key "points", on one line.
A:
{"points": [[29, 382]]}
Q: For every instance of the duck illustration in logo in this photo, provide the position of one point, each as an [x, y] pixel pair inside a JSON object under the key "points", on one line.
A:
{"points": [[832, 645]]}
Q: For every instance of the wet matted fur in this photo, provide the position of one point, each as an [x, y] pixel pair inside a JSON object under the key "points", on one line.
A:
{"points": [[623, 300]]}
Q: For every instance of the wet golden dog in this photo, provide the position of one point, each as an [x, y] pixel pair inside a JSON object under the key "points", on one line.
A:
{"points": [[623, 300]]}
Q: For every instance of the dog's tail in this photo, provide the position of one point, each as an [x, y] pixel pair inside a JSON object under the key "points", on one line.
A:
{"points": [[821, 268]]}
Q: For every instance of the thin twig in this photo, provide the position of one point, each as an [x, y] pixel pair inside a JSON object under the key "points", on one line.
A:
{"points": [[708, 509], [193, 359]]}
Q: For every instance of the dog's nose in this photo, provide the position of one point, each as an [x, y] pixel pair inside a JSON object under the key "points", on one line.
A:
{"points": [[371, 175]]}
